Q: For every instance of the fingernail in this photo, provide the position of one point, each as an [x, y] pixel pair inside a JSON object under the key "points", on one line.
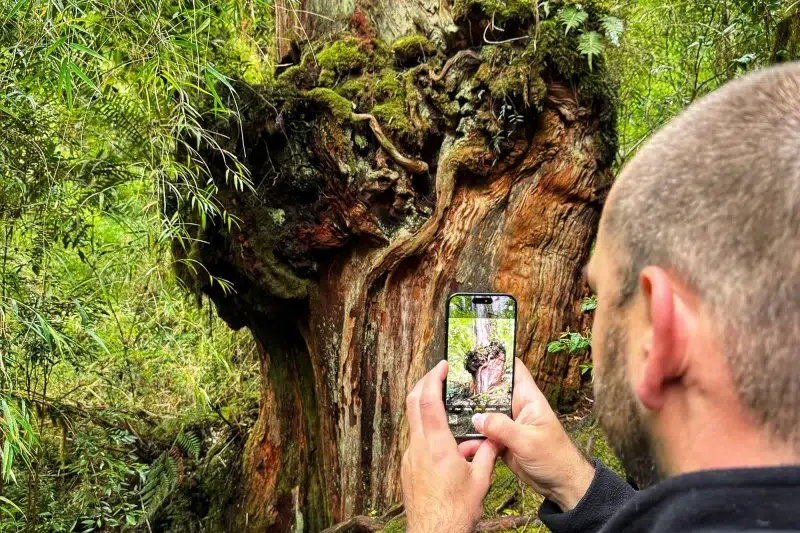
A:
{"points": [[477, 421]]}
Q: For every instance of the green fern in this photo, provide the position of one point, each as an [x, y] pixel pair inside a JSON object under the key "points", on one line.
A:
{"points": [[613, 28], [160, 480], [189, 442], [590, 44], [572, 18]]}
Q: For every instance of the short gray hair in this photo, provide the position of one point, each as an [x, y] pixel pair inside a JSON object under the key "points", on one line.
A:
{"points": [[714, 197]]}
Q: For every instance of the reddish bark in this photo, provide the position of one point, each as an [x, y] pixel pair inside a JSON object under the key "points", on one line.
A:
{"points": [[346, 295]]}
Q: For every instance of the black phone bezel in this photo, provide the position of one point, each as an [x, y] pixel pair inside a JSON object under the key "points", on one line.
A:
{"points": [[472, 436]]}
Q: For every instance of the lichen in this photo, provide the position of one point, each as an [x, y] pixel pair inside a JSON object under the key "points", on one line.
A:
{"points": [[341, 57], [412, 47], [341, 107]]}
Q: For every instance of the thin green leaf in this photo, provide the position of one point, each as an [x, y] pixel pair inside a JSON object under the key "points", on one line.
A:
{"points": [[82, 75], [86, 50]]}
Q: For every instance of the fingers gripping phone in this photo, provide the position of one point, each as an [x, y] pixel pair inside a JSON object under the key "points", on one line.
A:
{"points": [[479, 348]]}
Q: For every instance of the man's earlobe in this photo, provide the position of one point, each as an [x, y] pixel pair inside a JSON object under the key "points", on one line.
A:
{"points": [[664, 358]]}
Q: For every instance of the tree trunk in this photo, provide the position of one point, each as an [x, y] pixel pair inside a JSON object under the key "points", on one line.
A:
{"points": [[483, 328], [387, 178]]}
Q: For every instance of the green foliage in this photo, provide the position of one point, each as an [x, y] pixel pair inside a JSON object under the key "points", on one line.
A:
{"points": [[572, 18], [590, 45], [17, 436], [571, 341], [613, 28], [589, 304], [676, 51]]}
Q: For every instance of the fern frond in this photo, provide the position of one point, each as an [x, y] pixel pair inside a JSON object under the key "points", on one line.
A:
{"points": [[189, 442], [613, 28], [590, 44], [160, 480], [572, 18]]}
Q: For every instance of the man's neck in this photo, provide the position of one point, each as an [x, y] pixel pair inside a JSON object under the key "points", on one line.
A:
{"points": [[724, 438]]}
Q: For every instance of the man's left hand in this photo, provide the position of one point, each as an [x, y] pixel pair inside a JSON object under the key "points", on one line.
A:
{"points": [[442, 491]]}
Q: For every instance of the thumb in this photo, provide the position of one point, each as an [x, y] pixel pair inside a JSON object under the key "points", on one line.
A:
{"points": [[482, 464], [498, 428]]}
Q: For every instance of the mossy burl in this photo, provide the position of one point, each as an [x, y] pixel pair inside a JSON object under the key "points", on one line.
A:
{"points": [[339, 106]]}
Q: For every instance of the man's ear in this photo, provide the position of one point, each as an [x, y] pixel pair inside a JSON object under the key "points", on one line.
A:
{"points": [[665, 353]]}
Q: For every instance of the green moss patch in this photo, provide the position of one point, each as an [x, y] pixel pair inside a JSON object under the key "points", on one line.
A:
{"points": [[600, 448], [341, 57], [352, 89], [341, 107], [393, 116], [520, 10], [396, 525], [388, 85], [412, 47]]}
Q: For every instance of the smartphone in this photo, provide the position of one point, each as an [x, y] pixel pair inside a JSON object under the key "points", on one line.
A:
{"points": [[479, 348]]}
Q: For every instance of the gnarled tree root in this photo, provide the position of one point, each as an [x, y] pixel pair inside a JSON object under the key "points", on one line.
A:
{"points": [[415, 167]]}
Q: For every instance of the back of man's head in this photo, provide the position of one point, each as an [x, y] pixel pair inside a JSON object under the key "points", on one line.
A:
{"points": [[714, 198]]}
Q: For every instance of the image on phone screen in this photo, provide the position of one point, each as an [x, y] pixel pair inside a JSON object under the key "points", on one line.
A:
{"points": [[480, 355]]}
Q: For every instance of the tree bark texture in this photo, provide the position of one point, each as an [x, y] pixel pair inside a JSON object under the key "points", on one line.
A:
{"points": [[363, 221]]}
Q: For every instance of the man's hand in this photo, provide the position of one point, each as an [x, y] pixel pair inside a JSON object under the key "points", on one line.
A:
{"points": [[538, 450], [441, 490]]}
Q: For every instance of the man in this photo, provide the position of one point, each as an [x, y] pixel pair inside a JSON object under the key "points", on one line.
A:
{"points": [[695, 345]]}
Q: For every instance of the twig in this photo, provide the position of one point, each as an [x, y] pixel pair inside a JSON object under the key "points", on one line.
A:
{"points": [[508, 501], [488, 41], [357, 524], [506, 522], [449, 63], [415, 167]]}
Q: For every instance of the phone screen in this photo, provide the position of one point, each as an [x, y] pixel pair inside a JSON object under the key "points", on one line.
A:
{"points": [[480, 355]]}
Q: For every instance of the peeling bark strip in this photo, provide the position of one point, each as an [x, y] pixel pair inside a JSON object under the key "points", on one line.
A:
{"points": [[392, 168]]}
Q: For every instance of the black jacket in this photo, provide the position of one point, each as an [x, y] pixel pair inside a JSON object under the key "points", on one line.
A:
{"points": [[714, 501]]}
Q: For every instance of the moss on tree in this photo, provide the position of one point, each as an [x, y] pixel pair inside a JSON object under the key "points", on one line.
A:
{"points": [[341, 57], [519, 10], [393, 115], [341, 107], [412, 47]]}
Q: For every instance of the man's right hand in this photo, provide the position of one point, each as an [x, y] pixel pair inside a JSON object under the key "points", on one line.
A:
{"points": [[538, 450]]}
